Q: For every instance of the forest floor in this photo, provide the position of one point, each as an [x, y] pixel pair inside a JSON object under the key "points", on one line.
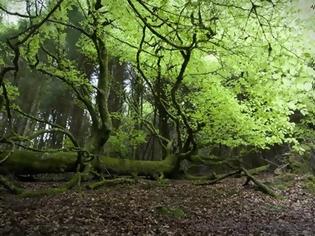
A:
{"points": [[174, 207]]}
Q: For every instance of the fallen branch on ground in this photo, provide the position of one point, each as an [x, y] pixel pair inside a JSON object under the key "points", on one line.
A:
{"points": [[262, 187]]}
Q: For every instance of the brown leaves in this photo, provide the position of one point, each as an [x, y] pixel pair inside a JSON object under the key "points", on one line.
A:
{"points": [[175, 208]]}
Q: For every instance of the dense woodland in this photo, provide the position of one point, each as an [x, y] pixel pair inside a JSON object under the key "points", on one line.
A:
{"points": [[113, 92]]}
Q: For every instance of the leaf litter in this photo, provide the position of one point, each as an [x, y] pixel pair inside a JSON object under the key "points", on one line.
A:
{"points": [[177, 207]]}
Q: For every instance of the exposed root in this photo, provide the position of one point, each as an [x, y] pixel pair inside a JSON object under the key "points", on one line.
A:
{"points": [[221, 177], [110, 182], [13, 188], [43, 192], [249, 174], [202, 177], [10, 186]]}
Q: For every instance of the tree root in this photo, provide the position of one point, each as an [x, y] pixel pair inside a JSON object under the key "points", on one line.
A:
{"points": [[219, 178], [42, 192], [13, 188], [74, 182], [10, 186], [110, 182], [202, 177], [249, 174]]}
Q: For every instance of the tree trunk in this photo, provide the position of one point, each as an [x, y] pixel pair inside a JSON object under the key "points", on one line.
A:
{"points": [[27, 162]]}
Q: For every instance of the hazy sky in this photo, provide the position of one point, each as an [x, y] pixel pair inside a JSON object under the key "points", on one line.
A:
{"points": [[308, 8], [308, 15]]}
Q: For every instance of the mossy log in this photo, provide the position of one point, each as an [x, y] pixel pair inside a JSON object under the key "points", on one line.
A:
{"points": [[28, 162]]}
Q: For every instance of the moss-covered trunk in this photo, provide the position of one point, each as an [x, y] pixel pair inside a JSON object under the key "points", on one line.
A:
{"points": [[27, 162]]}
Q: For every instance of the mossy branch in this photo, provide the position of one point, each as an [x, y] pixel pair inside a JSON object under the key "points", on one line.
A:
{"points": [[221, 177], [262, 187]]}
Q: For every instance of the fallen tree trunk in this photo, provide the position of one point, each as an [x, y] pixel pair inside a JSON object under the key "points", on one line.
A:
{"points": [[28, 162]]}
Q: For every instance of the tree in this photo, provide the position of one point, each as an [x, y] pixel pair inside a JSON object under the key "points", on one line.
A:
{"points": [[216, 73]]}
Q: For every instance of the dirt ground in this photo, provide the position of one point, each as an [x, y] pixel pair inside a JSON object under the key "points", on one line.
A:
{"points": [[155, 208]]}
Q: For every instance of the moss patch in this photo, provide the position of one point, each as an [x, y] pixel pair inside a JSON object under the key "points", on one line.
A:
{"points": [[309, 183], [172, 212], [282, 182]]}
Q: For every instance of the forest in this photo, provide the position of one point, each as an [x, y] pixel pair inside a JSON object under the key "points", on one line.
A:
{"points": [[161, 117]]}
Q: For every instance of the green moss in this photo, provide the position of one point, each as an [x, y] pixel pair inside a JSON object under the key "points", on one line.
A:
{"points": [[27, 162], [73, 182], [175, 212], [162, 182], [126, 166], [300, 164], [43, 192], [309, 183], [10, 185], [282, 182]]}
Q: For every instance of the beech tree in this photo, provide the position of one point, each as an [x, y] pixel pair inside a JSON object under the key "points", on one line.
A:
{"points": [[216, 72]]}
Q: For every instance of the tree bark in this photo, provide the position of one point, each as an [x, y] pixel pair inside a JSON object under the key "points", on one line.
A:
{"points": [[28, 162]]}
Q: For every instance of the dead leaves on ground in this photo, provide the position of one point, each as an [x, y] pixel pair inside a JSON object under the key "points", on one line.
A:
{"points": [[151, 208]]}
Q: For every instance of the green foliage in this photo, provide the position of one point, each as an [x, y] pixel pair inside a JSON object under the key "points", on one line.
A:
{"points": [[12, 91], [246, 85], [248, 73], [127, 137]]}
